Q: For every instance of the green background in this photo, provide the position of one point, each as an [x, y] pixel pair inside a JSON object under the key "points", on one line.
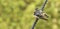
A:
{"points": [[18, 14]]}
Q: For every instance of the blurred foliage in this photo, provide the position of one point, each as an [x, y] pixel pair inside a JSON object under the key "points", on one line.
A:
{"points": [[18, 14]]}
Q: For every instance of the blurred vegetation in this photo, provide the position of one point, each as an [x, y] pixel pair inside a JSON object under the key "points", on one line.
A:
{"points": [[18, 14]]}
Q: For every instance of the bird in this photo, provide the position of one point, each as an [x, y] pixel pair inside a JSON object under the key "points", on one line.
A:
{"points": [[40, 14]]}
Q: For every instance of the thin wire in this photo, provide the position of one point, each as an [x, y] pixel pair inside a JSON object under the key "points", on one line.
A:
{"points": [[42, 8], [35, 23]]}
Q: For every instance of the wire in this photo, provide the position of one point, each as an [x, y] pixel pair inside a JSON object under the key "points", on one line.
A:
{"points": [[38, 13], [42, 8], [35, 23]]}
